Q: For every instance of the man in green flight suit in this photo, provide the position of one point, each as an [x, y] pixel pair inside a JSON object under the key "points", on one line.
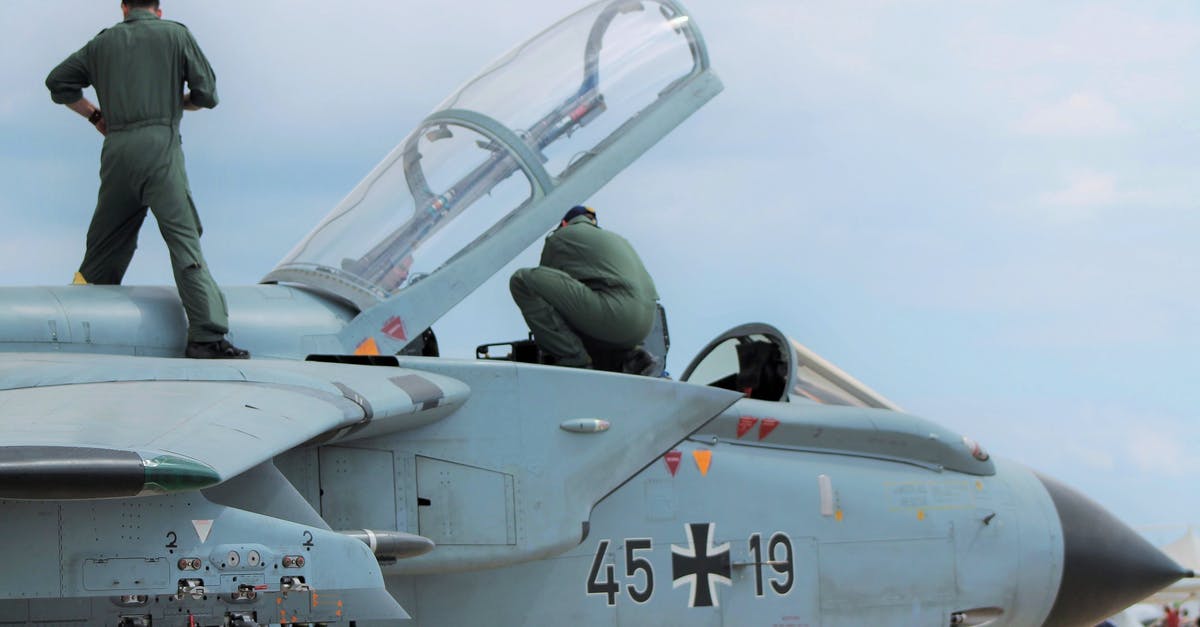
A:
{"points": [[139, 67], [590, 283]]}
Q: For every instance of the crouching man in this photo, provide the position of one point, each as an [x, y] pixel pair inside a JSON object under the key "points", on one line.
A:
{"points": [[590, 289]]}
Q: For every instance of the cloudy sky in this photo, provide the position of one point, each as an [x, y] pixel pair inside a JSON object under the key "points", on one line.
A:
{"points": [[985, 210]]}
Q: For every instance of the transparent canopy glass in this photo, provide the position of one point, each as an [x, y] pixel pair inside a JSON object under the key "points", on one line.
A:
{"points": [[502, 141]]}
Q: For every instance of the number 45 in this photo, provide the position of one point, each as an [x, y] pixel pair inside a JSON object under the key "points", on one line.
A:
{"points": [[633, 563]]}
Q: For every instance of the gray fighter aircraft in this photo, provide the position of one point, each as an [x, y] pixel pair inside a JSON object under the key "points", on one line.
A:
{"points": [[348, 475]]}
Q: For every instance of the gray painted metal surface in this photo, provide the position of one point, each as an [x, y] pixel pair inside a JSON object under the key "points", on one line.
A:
{"points": [[93, 562], [770, 489], [878, 561]]}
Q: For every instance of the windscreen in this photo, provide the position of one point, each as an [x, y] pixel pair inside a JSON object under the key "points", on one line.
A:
{"points": [[760, 361], [500, 142]]}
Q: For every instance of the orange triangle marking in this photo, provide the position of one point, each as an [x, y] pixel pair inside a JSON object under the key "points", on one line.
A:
{"points": [[703, 460], [367, 347]]}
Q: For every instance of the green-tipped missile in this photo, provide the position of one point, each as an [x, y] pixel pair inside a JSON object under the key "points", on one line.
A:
{"points": [[71, 472]]}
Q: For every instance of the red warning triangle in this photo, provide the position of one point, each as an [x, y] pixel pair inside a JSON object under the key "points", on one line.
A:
{"points": [[673, 458], [395, 328], [745, 423], [768, 425]]}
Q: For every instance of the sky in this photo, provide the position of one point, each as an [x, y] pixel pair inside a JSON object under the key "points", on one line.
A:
{"points": [[986, 211]]}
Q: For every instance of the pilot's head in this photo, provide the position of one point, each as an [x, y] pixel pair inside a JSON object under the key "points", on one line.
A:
{"points": [[576, 211], [130, 5]]}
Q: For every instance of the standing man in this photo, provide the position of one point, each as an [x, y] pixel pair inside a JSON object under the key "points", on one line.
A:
{"points": [[139, 67], [590, 283]]}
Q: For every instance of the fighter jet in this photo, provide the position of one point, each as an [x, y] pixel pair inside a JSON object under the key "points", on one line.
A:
{"points": [[349, 475]]}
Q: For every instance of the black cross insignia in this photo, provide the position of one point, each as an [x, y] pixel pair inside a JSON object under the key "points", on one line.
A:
{"points": [[700, 564]]}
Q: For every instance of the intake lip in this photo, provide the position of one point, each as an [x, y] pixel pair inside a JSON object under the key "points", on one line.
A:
{"points": [[1106, 565]]}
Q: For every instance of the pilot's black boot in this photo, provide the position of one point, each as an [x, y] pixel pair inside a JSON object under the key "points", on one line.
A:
{"points": [[641, 362], [221, 349]]}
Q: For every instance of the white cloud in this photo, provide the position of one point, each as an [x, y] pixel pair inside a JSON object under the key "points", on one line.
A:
{"points": [[1077, 35], [1161, 452], [1091, 457], [1084, 193], [1080, 115]]}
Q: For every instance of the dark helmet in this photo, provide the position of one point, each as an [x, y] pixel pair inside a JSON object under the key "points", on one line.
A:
{"points": [[579, 210]]}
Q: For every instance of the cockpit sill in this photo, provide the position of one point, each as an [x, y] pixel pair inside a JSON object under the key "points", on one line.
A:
{"points": [[851, 431]]}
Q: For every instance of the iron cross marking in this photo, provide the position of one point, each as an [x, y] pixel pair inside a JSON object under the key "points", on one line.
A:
{"points": [[700, 564]]}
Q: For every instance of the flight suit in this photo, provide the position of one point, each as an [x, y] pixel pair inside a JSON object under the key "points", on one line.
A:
{"points": [[138, 68], [590, 282]]}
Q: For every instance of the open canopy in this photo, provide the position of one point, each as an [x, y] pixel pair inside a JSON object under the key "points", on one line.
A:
{"points": [[502, 143]]}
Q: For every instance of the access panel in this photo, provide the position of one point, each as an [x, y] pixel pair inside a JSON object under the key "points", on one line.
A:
{"points": [[460, 504], [358, 488], [852, 591]]}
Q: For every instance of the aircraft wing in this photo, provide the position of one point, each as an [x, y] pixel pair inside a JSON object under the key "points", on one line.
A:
{"points": [[99, 426]]}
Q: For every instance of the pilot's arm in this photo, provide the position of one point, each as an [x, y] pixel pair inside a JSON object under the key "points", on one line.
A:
{"points": [[560, 252], [199, 75], [66, 83]]}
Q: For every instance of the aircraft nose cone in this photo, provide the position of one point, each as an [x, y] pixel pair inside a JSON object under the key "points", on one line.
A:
{"points": [[1106, 565]]}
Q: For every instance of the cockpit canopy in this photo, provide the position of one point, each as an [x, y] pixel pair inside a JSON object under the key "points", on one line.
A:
{"points": [[503, 141]]}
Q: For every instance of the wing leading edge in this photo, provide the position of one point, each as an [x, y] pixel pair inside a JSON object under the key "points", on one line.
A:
{"points": [[92, 426]]}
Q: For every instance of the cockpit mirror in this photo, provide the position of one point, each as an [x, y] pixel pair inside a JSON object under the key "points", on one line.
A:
{"points": [[441, 131]]}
